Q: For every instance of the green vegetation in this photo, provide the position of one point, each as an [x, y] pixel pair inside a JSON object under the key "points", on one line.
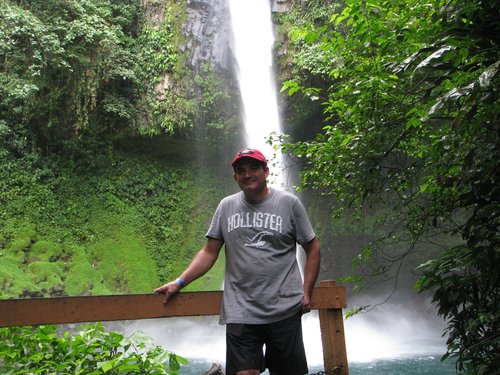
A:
{"points": [[90, 351], [160, 73], [408, 96], [92, 70], [81, 212], [119, 224], [62, 67]]}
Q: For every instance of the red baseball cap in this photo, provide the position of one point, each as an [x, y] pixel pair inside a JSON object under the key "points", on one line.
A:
{"points": [[249, 153]]}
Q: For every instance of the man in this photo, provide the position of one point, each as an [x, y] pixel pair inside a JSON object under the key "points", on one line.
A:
{"points": [[264, 296]]}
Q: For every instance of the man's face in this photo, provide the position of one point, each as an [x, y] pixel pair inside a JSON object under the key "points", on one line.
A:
{"points": [[251, 177]]}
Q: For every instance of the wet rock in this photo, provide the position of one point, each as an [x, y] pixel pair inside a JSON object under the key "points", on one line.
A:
{"points": [[208, 33], [216, 369], [31, 293], [57, 291]]}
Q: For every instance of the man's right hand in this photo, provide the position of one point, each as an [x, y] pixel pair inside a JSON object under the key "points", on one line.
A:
{"points": [[168, 290], [202, 262]]}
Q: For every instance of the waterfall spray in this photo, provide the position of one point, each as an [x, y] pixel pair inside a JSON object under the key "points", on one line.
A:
{"points": [[252, 44]]}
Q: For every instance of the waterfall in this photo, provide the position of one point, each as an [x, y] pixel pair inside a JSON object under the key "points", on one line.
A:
{"points": [[252, 44]]}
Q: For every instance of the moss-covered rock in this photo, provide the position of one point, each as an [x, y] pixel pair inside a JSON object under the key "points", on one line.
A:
{"points": [[13, 279], [46, 272], [124, 225], [45, 250], [83, 279], [23, 239], [125, 264]]}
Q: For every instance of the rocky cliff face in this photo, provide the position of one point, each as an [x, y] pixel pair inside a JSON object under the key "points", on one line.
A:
{"points": [[207, 30], [208, 33]]}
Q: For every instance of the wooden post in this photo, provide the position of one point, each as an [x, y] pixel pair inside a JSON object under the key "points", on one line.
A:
{"points": [[333, 336]]}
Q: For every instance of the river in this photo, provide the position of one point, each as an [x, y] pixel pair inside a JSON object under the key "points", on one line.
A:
{"points": [[418, 365]]}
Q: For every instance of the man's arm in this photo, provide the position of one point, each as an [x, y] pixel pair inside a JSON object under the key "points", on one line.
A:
{"points": [[311, 270], [201, 263]]}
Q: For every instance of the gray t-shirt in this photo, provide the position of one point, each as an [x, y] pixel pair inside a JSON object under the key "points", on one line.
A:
{"points": [[262, 281]]}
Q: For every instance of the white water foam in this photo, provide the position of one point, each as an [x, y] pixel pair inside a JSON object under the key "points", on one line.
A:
{"points": [[253, 43], [390, 332]]}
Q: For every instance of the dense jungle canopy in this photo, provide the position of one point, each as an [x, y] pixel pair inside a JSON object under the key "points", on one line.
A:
{"points": [[392, 114]]}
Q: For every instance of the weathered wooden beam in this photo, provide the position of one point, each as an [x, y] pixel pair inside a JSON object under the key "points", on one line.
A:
{"points": [[333, 336], [61, 310], [35, 311]]}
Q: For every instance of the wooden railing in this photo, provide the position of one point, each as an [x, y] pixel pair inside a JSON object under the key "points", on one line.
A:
{"points": [[328, 298]]}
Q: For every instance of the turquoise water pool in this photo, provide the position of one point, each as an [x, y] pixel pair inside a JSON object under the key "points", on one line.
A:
{"points": [[416, 365]]}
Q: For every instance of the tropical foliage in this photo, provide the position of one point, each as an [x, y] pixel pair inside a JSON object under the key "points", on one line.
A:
{"points": [[93, 225], [63, 67], [91, 350], [409, 93], [88, 69]]}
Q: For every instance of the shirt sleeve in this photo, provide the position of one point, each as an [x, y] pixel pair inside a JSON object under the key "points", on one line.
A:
{"points": [[215, 229], [303, 228]]}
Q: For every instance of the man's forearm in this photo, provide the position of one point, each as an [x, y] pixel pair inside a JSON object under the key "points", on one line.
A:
{"points": [[200, 265], [312, 265], [202, 262]]}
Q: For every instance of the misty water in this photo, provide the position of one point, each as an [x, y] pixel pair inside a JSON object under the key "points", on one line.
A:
{"points": [[255, 71], [390, 340]]}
